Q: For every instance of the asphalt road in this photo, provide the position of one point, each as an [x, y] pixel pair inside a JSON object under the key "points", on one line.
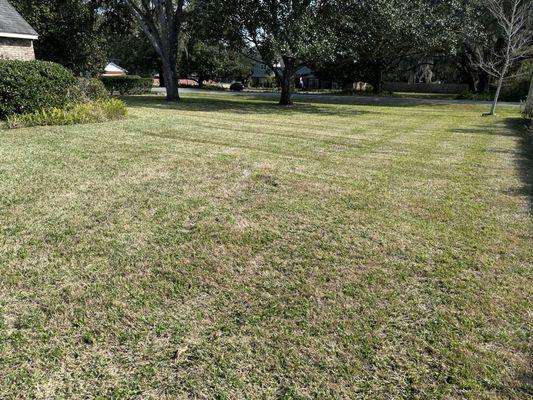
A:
{"points": [[342, 99]]}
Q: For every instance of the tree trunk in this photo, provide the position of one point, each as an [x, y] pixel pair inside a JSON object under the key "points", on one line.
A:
{"points": [[377, 79], [496, 96], [499, 88], [472, 81], [161, 77], [162, 32], [171, 79], [286, 82], [201, 80], [483, 83], [286, 92]]}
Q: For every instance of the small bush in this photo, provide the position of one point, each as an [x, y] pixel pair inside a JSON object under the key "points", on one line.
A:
{"points": [[215, 88], [89, 89], [83, 113], [127, 84], [236, 87], [29, 86], [469, 95], [515, 90]]}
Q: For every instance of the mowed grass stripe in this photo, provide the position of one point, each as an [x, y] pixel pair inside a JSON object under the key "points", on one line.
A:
{"points": [[260, 266]]}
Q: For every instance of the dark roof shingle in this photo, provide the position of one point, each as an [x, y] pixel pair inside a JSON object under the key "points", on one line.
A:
{"points": [[11, 21]]}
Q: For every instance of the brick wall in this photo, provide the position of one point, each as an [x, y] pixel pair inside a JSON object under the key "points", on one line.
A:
{"points": [[16, 49]]}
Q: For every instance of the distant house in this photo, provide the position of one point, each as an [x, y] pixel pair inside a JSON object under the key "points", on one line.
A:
{"points": [[16, 35], [263, 76], [113, 69]]}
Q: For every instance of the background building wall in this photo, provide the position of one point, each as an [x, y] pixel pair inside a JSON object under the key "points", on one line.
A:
{"points": [[16, 49]]}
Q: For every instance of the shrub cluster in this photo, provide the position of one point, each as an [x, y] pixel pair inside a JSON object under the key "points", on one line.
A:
{"points": [[81, 113], [127, 84], [513, 90], [88, 89], [469, 95], [516, 89], [28, 86]]}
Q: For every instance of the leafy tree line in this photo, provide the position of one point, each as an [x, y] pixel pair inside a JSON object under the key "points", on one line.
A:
{"points": [[343, 40]]}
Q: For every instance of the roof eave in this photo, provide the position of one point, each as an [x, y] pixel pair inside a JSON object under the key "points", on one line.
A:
{"points": [[18, 36]]}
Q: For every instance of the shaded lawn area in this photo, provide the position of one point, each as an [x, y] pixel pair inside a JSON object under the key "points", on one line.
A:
{"points": [[226, 248]]}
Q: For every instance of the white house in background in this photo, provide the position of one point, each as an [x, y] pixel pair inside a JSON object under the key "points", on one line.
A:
{"points": [[16, 35], [113, 69]]}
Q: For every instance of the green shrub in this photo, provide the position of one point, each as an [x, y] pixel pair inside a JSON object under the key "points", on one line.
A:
{"points": [[515, 89], [29, 86], [469, 95], [82, 113], [127, 84], [89, 89]]}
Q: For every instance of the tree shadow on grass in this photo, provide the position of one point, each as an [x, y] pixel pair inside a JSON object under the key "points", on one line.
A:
{"points": [[250, 104], [522, 156]]}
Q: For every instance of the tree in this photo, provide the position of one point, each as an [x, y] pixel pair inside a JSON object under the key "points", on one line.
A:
{"points": [[282, 34], [71, 32], [162, 21], [379, 37], [134, 52], [211, 61], [514, 18], [473, 35]]}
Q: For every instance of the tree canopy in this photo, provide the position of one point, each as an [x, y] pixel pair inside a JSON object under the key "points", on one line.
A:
{"points": [[71, 32], [282, 34]]}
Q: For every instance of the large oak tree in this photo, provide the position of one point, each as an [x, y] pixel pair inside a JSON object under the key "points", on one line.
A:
{"points": [[375, 38], [282, 34], [162, 22]]}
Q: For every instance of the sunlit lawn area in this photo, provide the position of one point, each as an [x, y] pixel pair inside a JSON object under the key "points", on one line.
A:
{"points": [[226, 248]]}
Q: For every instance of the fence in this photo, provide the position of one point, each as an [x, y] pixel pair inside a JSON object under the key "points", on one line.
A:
{"points": [[443, 88]]}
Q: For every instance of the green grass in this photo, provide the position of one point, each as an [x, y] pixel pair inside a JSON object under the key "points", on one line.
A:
{"points": [[228, 248]]}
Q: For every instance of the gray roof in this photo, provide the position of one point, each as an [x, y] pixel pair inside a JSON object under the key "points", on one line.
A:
{"points": [[12, 23], [261, 71]]}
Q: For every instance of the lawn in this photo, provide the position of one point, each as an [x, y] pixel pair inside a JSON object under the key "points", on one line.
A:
{"points": [[225, 248]]}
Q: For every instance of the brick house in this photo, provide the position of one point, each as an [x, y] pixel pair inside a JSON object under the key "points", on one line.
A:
{"points": [[16, 35]]}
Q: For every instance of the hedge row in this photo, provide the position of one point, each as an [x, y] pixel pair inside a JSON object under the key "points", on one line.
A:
{"points": [[30, 86], [127, 84], [34, 85]]}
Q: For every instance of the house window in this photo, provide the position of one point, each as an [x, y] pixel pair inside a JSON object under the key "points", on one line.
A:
{"points": [[263, 67]]}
